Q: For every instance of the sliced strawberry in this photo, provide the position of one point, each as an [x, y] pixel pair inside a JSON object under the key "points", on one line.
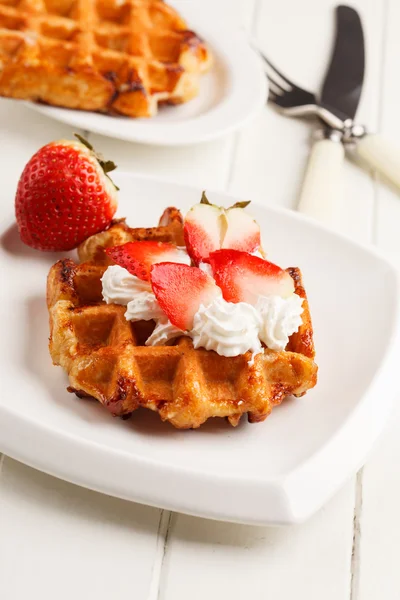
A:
{"points": [[242, 232], [202, 231], [243, 277], [209, 228], [180, 290], [138, 257]]}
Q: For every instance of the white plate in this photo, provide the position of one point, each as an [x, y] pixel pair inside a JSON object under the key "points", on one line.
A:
{"points": [[232, 92], [279, 471]]}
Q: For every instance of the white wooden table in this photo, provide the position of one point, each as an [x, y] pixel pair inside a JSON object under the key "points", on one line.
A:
{"points": [[58, 541]]}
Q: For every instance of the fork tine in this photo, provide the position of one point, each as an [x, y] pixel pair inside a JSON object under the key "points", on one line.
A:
{"points": [[277, 72], [280, 89], [274, 98], [275, 88]]}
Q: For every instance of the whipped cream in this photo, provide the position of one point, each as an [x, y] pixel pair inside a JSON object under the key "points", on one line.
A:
{"points": [[206, 267], [163, 333], [280, 318], [229, 329], [119, 286], [143, 307]]}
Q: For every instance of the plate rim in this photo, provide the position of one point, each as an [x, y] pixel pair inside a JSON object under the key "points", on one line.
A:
{"points": [[287, 497]]}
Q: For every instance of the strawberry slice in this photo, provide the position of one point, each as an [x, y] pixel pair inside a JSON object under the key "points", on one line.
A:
{"points": [[243, 232], [243, 277], [139, 257], [209, 228], [180, 290], [202, 231]]}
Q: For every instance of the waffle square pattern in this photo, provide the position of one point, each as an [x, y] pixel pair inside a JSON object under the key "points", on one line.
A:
{"points": [[114, 56], [105, 356]]}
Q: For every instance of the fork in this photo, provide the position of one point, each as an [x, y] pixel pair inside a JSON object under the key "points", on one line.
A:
{"points": [[324, 171]]}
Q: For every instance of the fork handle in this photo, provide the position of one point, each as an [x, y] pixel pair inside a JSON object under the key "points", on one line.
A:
{"points": [[382, 155], [322, 191]]}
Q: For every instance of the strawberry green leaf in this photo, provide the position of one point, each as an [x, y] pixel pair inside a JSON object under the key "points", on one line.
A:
{"points": [[106, 165], [242, 204], [83, 141]]}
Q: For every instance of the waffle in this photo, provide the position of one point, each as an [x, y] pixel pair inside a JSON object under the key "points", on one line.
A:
{"points": [[113, 56], [170, 229], [105, 356]]}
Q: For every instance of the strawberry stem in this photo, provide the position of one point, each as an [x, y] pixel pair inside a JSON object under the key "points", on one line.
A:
{"points": [[106, 165], [204, 199]]}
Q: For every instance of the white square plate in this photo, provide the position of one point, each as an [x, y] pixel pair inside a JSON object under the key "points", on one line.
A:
{"points": [[279, 471]]}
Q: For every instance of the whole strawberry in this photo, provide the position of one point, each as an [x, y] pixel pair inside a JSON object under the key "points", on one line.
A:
{"points": [[64, 195]]}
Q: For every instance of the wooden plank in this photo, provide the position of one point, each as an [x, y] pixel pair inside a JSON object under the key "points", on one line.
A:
{"points": [[222, 560], [379, 575], [61, 541], [314, 560]]}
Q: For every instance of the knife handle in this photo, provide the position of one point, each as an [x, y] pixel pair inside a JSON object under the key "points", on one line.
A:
{"points": [[382, 155], [321, 194]]}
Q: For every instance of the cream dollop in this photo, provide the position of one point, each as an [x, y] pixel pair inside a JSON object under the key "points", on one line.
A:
{"points": [[163, 333], [280, 318], [119, 286], [229, 329], [143, 307]]}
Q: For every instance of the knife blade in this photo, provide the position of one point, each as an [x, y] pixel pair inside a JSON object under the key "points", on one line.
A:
{"points": [[344, 79]]}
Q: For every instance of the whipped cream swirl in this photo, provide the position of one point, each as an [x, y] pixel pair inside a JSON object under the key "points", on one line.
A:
{"points": [[143, 307], [229, 329], [120, 287], [280, 318], [163, 333]]}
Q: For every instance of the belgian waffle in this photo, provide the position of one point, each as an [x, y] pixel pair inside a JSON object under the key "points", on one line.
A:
{"points": [[113, 56], [105, 356]]}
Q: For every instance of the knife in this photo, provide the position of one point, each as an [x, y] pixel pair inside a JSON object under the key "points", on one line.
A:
{"points": [[322, 189]]}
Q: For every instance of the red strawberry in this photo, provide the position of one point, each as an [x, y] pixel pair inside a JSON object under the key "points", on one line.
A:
{"points": [[64, 195], [202, 231], [243, 277], [208, 228], [138, 257], [180, 290]]}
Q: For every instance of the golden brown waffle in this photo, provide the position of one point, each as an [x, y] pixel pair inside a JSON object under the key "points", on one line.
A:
{"points": [[170, 229], [105, 356], [113, 56]]}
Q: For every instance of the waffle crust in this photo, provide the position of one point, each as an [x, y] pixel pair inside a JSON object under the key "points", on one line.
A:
{"points": [[105, 356], [113, 56]]}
